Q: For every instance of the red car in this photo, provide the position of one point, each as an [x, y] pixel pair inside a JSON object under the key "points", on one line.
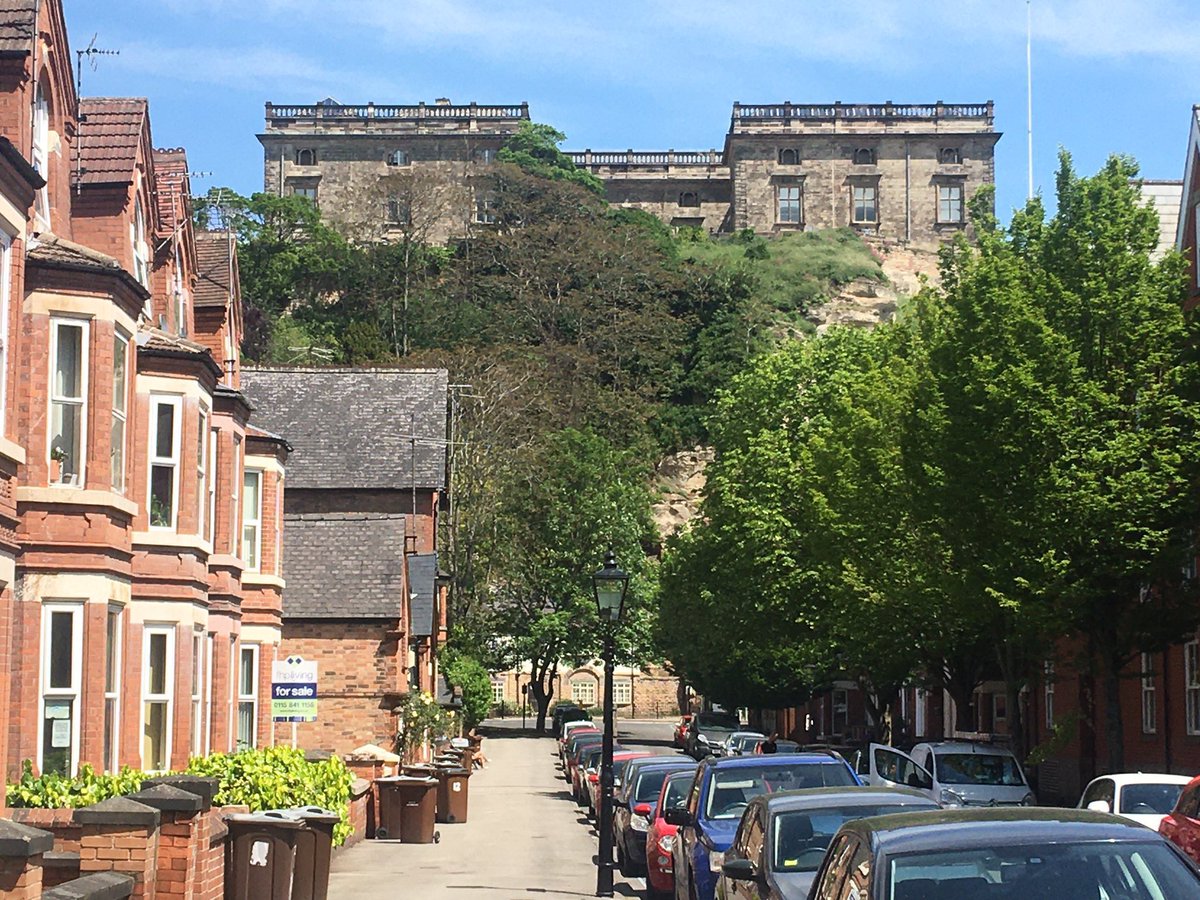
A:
{"points": [[620, 757], [1182, 826], [660, 836], [681, 729]]}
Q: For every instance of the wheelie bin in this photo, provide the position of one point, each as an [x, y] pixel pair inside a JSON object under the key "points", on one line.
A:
{"points": [[453, 782], [260, 856], [407, 807]]}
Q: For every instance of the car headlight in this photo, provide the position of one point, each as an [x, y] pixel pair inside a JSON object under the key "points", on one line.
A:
{"points": [[666, 843], [950, 798], [638, 823], [716, 859], [1029, 800], [702, 738]]}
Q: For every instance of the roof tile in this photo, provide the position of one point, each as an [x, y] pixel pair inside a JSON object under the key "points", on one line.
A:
{"points": [[110, 130], [213, 270], [364, 579], [18, 19]]}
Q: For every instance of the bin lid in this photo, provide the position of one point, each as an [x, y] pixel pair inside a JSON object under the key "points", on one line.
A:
{"points": [[264, 819], [404, 779], [316, 814], [445, 771]]}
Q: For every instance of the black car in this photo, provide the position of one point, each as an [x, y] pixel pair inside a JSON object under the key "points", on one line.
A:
{"points": [[782, 838], [709, 728], [633, 807], [564, 714], [1003, 854]]}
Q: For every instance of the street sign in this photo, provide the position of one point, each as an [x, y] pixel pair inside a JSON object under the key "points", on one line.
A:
{"points": [[294, 690]]}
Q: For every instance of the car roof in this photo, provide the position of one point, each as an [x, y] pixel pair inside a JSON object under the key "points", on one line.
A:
{"points": [[950, 829], [771, 759], [1123, 778], [808, 798], [662, 761], [966, 747]]}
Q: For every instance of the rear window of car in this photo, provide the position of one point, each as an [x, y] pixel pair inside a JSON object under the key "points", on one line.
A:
{"points": [[802, 836], [733, 788], [649, 784], [978, 768], [716, 720]]}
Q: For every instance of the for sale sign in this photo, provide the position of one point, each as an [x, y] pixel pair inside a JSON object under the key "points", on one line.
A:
{"points": [[294, 690]]}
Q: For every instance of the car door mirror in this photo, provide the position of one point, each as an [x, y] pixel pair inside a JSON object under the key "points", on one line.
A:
{"points": [[678, 816], [1100, 806], [740, 870]]}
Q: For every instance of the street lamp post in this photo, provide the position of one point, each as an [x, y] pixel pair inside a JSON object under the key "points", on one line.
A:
{"points": [[610, 584]]}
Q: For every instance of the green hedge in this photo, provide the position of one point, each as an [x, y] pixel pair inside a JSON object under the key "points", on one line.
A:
{"points": [[268, 778]]}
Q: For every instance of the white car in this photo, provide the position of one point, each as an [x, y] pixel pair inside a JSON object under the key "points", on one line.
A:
{"points": [[1143, 797]]}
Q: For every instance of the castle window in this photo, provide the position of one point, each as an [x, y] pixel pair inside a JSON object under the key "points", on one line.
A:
{"points": [[864, 207], [864, 156], [399, 158], [689, 198], [485, 155], [485, 208], [398, 211], [950, 204], [308, 191], [306, 157], [789, 156], [790, 203], [950, 156]]}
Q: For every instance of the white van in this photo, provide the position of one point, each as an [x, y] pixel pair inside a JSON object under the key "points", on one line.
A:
{"points": [[954, 773]]}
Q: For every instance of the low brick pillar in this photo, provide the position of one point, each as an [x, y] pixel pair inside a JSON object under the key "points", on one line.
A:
{"points": [[362, 812], [208, 836], [21, 849], [59, 822], [98, 886], [120, 835], [182, 830], [369, 768]]}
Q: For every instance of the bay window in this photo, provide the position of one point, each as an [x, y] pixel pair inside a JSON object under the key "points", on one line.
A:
{"points": [[112, 689], [5, 326], [61, 658], [247, 707], [40, 153], [158, 686], [120, 407], [141, 250], [164, 461], [235, 480], [252, 519], [197, 732], [68, 397], [202, 441]]}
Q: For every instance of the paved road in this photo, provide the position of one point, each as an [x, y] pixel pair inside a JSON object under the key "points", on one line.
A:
{"points": [[524, 837]]}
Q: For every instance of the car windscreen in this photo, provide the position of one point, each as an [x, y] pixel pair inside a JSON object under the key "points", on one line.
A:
{"points": [[1101, 870], [731, 789], [802, 836], [1149, 799], [591, 758], [649, 785], [978, 768], [746, 742], [717, 720]]}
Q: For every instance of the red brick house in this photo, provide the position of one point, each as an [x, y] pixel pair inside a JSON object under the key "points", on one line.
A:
{"points": [[365, 482], [140, 533]]}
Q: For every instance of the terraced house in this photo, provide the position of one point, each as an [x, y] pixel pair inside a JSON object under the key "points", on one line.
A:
{"points": [[140, 551]]}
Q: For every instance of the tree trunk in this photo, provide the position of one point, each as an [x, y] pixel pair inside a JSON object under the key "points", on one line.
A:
{"points": [[1114, 725]]}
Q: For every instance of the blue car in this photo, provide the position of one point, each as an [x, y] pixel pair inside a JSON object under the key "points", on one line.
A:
{"points": [[720, 794]]}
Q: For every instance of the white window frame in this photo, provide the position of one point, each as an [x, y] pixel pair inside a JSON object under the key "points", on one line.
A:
{"points": [[277, 563], [209, 643], [589, 686], [179, 296], [399, 157], [919, 703], [484, 207], [252, 564], [868, 196], [5, 323], [231, 709], [789, 204], [1191, 681], [141, 250], [622, 691], [1149, 695], [114, 647], [202, 443], [172, 461], [211, 531], [235, 502], [167, 696], [248, 699], [1048, 693], [196, 732], [497, 692], [40, 153], [57, 323], [117, 451], [949, 202], [73, 692]]}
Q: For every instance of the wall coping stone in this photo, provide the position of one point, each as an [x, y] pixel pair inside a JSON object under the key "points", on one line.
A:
{"points": [[60, 859], [23, 841], [118, 811], [204, 788], [317, 755], [97, 886], [359, 786], [169, 798]]}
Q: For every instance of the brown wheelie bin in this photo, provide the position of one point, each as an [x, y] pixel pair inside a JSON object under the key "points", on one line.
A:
{"points": [[407, 808], [452, 794], [260, 857]]}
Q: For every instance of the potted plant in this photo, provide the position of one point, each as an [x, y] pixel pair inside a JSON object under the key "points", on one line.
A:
{"points": [[57, 457]]}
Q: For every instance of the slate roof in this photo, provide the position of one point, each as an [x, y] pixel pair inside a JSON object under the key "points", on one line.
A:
{"points": [[212, 265], [350, 428], [18, 19], [364, 578], [110, 130], [422, 582]]}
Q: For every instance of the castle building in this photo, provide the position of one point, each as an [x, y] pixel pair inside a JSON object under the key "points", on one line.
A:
{"points": [[901, 172]]}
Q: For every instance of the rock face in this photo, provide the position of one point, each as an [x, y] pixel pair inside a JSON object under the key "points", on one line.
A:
{"points": [[865, 302], [679, 478]]}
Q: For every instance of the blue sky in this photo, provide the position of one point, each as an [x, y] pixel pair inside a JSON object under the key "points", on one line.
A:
{"points": [[1109, 75]]}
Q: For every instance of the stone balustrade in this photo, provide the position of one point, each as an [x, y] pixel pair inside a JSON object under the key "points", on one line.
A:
{"points": [[282, 115], [743, 112]]}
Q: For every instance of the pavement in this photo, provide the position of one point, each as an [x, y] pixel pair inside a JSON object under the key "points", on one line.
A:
{"points": [[524, 837]]}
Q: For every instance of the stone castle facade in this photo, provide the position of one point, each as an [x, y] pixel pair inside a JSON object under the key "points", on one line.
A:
{"points": [[900, 172]]}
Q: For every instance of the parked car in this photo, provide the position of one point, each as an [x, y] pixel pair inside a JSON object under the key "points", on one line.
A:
{"points": [[565, 711], [681, 729], [954, 773], [733, 744], [708, 729], [782, 838], [633, 807], [1182, 825], [722, 790], [571, 728], [621, 758], [1143, 797], [781, 746], [574, 743], [981, 854], [661, 835], [587, 757]]}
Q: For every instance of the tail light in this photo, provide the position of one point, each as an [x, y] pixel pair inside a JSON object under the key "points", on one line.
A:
{"points": [[594, 778]]}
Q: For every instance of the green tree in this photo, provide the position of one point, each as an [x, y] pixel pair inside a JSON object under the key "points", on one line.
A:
{"points": [[535, 149]]}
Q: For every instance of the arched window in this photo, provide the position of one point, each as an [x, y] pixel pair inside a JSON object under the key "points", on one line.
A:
{"points": [[306, 157], [950, 156], [41, 150], [398, 158], [789, 156], [689, 198], [864, 156]]}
